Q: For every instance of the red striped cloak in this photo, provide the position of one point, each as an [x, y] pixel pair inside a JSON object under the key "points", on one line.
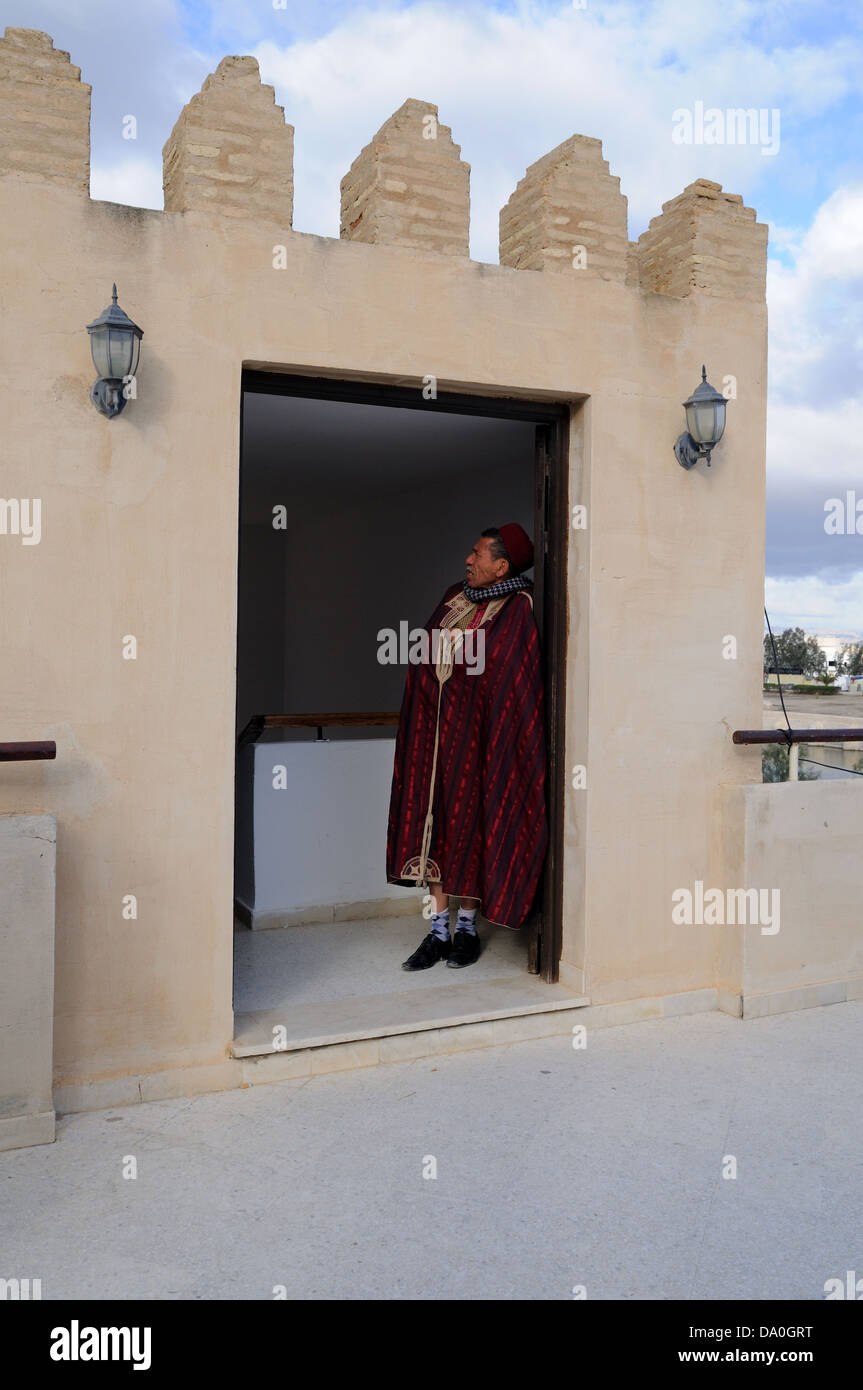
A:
{"points": [[489, 831]]}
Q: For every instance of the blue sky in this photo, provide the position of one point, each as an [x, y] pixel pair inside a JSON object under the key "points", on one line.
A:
{"points": [[513, 80]]}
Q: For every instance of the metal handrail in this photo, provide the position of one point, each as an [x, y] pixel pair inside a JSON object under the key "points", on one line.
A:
{"points": [[792, 738], [27, 751], [797, 735]]}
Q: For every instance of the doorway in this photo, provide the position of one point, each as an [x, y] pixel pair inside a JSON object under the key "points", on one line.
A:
{"points": [[358, 502]]}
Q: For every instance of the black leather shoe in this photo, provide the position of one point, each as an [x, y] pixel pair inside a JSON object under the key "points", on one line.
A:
{"points": [[430, 950], [465, 948]]}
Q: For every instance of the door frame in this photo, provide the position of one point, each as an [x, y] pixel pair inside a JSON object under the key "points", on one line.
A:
{"points": [[551, 535]]}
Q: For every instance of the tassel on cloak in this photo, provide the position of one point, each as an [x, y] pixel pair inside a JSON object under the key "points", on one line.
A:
{"points": [[483, 832]]}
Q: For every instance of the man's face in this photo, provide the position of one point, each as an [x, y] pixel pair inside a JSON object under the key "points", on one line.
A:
{"points": [[482, 569]]}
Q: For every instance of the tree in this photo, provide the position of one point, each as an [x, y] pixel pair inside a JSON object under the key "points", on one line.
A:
{"points": [[796, 653], [814, 661], [790, 651], [851, 658], [774, 765]]}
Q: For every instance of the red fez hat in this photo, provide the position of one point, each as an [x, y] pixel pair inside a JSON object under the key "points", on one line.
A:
{"points": [[519, 546]]}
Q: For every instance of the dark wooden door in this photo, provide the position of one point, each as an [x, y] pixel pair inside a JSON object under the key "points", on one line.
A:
{"points": [[545, 926]]}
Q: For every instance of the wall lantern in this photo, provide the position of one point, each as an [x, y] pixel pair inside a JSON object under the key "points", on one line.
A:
{"points": [[705, 421], [115, 343]]}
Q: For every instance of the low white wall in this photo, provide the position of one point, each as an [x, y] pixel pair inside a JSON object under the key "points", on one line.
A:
{"points": [[28, 847], [804, 839], [320, 840]]}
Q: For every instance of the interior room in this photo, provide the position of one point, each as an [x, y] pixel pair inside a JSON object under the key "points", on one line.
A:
{"points": [[354, 518]]}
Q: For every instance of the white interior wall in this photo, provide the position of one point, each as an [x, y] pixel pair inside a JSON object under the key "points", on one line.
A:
{"points": [[322, 839]]}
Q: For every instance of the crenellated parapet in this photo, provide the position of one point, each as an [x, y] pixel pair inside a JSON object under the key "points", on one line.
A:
{"points": [[231, 150], [567, 213], [231, 153], [44, 111], [704, 239], [409, 186]]}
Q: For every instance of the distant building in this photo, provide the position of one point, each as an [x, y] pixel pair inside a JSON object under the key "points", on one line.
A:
{"points": [[832, 643]]}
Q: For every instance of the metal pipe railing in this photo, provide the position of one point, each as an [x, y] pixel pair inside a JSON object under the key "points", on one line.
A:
{"points": [[27, 751], [792, 738], [797, 735]]}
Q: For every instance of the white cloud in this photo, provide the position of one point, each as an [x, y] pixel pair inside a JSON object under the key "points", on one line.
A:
{"points": [[135, 182], [833, 247], [815, 604], [809, 442], [512, 86], [815, 405]]}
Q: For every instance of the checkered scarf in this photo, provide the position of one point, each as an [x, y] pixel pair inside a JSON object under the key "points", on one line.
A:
{"points": [[498, 590]]}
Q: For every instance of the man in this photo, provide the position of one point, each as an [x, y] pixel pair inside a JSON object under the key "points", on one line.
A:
{"points": [[467, 811]]}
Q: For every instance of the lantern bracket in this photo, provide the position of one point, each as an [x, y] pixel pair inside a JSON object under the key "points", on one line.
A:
{"points": [[108, 396], [687, 452]]}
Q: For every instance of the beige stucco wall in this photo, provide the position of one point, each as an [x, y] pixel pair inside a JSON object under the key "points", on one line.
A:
{"points": [[675, 567], [140, 537]]}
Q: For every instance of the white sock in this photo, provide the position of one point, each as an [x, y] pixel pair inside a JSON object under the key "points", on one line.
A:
{"points": [[466, 920], [440, 924]]}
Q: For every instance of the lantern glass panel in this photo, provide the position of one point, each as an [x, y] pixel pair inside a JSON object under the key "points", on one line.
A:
{"points": [[100, 351], [701, 421], [120, 352]]}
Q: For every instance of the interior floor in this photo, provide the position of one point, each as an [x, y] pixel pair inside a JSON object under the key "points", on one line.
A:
{"points": [[340, 981], [342, 960]]}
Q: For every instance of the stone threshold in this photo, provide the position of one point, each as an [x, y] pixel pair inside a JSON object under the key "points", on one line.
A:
{"points": [[556, 1016], [269, 1032]]}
